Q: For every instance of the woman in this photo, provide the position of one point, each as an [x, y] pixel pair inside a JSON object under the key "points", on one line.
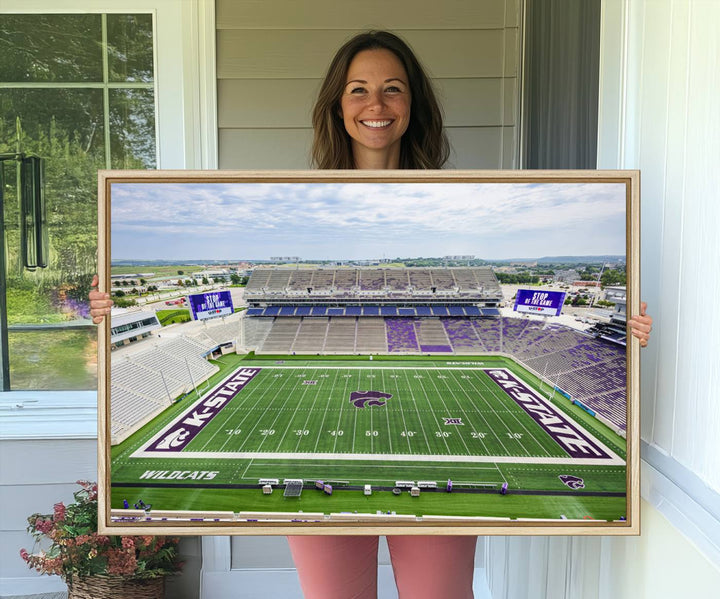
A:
{"points": [[377, 110]]}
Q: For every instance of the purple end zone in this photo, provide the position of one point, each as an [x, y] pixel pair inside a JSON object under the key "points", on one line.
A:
{"points": [[184, 430], [554, 423]]}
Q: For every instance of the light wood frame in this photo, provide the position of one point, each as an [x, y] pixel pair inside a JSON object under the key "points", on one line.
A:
{"points": [[181, 523]]}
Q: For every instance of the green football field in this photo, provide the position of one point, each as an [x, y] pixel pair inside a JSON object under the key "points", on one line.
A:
{"points": [[359, 421]]}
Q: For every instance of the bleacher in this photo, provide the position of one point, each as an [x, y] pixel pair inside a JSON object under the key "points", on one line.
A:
{"points": [[477, 284], [371, 336], [311, 334], [281, 336], [146, 382]]}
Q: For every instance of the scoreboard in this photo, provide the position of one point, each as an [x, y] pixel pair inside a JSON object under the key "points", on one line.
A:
{"points": [[546, 303], [210, 305]]}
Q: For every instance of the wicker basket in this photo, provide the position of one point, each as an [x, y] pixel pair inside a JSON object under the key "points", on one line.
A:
{"points": [[116, 587]]}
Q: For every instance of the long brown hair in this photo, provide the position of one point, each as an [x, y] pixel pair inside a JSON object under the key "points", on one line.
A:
{"points": [[424, 144]]}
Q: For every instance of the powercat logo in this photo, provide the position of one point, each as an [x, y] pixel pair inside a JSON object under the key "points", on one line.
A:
{"points": [[184, 430], [174, 439], [367, 399], [574, 482]]}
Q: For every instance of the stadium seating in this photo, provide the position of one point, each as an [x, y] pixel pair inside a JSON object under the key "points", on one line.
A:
{"points": [[420, 280], [341, 336], [463, 335], [401, 336], [346, 280], [427, 310], [300, 280], [311, 334], [372, 280], [442, 279], [371, 335], [432, 336], [282, 336]]}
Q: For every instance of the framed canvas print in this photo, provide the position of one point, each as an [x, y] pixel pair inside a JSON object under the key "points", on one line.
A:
{"points": [[369, 352]]}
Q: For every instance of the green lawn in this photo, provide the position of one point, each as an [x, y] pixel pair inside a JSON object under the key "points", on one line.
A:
{"points": [[173, 316]]}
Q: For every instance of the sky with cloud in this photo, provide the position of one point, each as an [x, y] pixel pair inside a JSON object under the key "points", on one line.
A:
{"points": [[346, 221]]}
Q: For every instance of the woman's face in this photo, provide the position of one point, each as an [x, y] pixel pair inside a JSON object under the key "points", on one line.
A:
{"points": [[375, 104]]}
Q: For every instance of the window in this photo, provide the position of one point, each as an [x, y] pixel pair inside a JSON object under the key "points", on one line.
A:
{"points": [[78, 90]]}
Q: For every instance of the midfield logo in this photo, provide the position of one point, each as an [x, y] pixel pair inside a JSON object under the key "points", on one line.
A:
{"points": [[366, 399]]}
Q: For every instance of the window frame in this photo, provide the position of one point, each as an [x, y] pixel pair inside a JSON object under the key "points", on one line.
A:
{"points": [[186, 138]]}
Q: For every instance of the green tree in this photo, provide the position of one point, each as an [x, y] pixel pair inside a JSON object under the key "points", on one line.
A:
{"points": [[612, 277]]}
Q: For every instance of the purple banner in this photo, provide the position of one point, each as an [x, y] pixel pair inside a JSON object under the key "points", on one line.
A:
{"points": [[210, 305], [549, 303], [184, 430], [555, 423]]}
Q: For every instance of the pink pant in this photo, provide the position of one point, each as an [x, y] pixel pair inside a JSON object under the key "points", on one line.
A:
{"points": [[345, 567]]}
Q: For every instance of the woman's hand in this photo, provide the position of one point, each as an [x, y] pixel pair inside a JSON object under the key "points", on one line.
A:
{"points": [[100, 303], [641, 325]]}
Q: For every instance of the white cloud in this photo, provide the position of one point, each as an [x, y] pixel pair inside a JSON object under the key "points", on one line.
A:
{"points": [[336, 216]]}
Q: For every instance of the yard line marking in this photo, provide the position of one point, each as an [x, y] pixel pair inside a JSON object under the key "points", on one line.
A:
{"points": [[501, 473], [340, 413], [272, 403], [310, 411], [501, 402], [298, 403], [246, 469], [440, 395], [324, 414], [355, 415], [437, 423], [231, 408], [402, 415], [412, 396], [480, 413], [514, 414], [387, 414]]}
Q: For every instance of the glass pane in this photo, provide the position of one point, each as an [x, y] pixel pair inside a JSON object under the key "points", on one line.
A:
{"points": [[53, 359], [132, 128], [65, 128], [50, 48], [130, 47], [51, 118]]}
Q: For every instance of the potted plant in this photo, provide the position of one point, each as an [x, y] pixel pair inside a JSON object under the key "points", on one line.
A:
{"points": [[96, 566]]}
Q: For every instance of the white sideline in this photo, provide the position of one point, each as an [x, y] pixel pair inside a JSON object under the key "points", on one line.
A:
{"points": [[380, 457]]}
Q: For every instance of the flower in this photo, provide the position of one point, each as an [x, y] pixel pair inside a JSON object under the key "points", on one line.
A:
{"points": [[128, 543], [59, 512], [73, 548]]}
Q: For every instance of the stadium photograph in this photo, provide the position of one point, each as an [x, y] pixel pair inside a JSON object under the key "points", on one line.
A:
{"points": [[359, 352]]}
